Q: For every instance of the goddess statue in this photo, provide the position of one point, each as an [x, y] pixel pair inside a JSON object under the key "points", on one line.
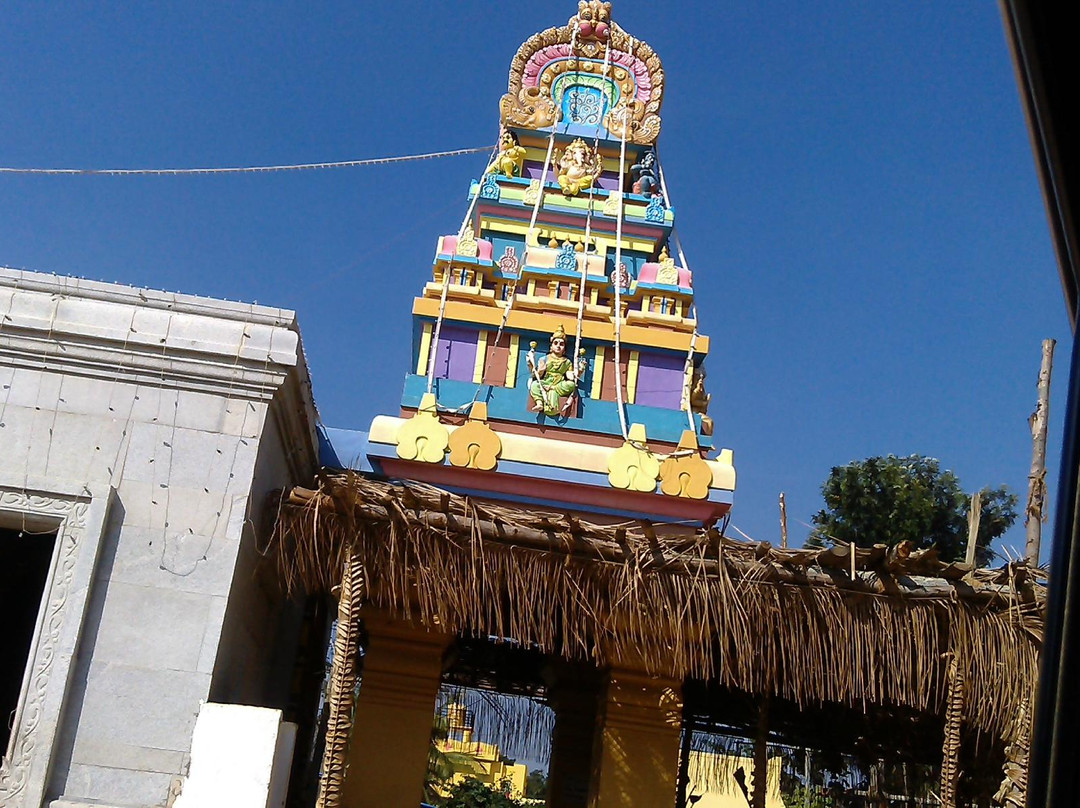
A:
{"points": [[553, 376]]}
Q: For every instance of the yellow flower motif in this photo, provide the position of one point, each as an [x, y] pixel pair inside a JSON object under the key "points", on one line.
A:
{"points": [[686, 475], [475, 445], [422, 437], [631, 467]]}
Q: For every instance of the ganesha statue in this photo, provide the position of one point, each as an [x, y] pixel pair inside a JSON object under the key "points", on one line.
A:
{"points": [[578, 167]]}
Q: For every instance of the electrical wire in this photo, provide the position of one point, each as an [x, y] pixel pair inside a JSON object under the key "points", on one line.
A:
{"points": [[115, 172]]}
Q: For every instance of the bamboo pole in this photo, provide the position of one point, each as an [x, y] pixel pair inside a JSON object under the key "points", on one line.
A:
{"points": [[783, 521], [974, 515], [1035, 512], [342, 683]]}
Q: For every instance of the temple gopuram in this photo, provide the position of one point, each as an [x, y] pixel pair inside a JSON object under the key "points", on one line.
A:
{"points": [[556, 353], [545, 515]]}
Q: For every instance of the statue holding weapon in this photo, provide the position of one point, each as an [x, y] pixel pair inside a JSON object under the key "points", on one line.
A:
{"points": [[553, 376]]}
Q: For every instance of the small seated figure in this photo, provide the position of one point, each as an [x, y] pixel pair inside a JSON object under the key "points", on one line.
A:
{"points": [[553, 376], [511, 157], [578, 167], [645, 174]]}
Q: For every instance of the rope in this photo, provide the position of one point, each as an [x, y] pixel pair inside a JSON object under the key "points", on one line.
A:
{"points": [[588, 233], [374, 161], [547, 162], [687, 378], [615, 275], [525, 253], [434, 349]]}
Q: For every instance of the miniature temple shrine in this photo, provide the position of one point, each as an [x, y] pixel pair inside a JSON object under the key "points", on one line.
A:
{"points": [[556, 353], [546, 510]]}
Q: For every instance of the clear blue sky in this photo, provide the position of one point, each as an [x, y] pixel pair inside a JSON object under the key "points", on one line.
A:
{"points": [[853, 184]]}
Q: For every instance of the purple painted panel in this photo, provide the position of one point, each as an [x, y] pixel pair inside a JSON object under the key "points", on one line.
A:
{"points": [[455, 355], [609, 180], [660, 380]]}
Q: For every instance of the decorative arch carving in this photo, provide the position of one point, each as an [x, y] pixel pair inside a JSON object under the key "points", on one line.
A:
{"points": [[636, 72]]}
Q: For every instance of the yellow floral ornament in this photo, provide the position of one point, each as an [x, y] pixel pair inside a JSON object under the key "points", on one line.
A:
{"points": [[467, 245], [686, 475], [422, 437], [475, 445], [668, 272], [631, 467]]}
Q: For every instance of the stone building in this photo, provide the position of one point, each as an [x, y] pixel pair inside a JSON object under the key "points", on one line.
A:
{"points": [[139, 434]]}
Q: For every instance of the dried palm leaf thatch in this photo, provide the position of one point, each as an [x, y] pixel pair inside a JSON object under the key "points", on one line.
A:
{"points": [[342, 682], [806, 625]]}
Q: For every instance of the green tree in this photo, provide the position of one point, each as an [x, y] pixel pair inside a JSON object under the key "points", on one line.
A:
{"points": [[889, 500], [536, 785], [474, 794]]}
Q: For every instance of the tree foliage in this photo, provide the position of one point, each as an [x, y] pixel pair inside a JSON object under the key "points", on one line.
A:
{"points": [[536, 785], [472, 793], [889, 500]]}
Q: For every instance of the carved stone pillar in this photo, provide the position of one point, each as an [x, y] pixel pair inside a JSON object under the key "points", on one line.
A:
{"points": [[388, 752], [637, 742]]}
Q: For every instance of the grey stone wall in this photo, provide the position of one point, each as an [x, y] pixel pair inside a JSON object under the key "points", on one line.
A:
{"points": [[186, 411]]}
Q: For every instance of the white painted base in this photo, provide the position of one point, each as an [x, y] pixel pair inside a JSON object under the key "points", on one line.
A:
{"points": [[240, 758]]}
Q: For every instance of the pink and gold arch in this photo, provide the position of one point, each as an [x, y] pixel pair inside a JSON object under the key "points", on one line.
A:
{"points": [[560, 65]]}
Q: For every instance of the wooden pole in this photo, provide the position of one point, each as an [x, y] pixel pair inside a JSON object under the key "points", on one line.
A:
{"points": [[1036, 503], [342, 683], [950, 753], [684, 762], [761, 755], [783, 521], [974, 515]]}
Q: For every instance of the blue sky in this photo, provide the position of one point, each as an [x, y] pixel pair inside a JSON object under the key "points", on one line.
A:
{"points": [[853, 185]]}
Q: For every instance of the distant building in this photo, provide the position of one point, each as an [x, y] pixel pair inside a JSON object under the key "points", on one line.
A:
{"points": [[486, 761]]}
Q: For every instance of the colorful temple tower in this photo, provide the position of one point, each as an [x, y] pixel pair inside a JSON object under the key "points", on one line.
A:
{"points": [[556, 356]]}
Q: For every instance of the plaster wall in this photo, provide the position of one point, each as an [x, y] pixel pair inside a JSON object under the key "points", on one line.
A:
{"points": [[185, 411]]}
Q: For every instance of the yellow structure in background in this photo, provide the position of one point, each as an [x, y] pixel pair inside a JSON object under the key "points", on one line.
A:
{"points": [[486, 761], [713, 784]]}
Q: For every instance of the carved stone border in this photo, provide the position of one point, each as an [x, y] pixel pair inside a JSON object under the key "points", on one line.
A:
{"points": [[79, 521]]}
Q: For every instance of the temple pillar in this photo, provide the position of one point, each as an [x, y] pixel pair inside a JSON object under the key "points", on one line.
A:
{"points": [[574, 693], [637, 742], [388, 751]]}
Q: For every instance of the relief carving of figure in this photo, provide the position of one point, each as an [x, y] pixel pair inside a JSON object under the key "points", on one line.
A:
{"points": [[511, 157], [553, 376], [644, 172], [531, 107], [578, 167]]}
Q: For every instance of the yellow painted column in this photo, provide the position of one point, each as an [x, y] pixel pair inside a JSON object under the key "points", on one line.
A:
{"points": [[637, 743], [388, 752]]}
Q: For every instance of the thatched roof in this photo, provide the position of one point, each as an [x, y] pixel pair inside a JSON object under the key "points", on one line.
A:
{"points": [[809, 626]]}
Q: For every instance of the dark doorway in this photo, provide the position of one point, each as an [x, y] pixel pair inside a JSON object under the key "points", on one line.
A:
{"points": [[25, 558]]}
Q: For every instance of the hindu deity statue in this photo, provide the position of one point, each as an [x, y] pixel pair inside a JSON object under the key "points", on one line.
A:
{"points": [[578, 167], [553, 376], [644, 172], [511, 156]]}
